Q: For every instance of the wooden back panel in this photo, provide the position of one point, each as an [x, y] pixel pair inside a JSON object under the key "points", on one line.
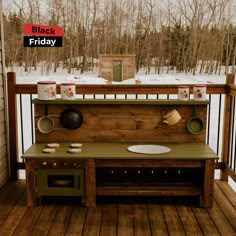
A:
{"points": [[121, 123]]}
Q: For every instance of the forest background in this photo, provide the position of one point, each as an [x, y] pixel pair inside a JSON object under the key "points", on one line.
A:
{"points": [[190, 36]]}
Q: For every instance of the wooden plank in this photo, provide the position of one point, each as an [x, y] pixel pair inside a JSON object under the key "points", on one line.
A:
{"points": [[77, 220], [144, 136], [172, 220], [150, 191], [60, 221], [221, 222], [228, 191], [93, 221], [28, 221], [226, 206], [148, 163], [205, 222], [109, 219], [188, 220], [125, 219], [8, 200], [156, 219], [140, 220], [13, 219], [121, 123], [124, 89], [44, 221]]}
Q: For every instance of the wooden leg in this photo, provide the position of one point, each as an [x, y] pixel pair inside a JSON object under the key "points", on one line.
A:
{"points": [[209, 183], [30, 183], [90, 181]]}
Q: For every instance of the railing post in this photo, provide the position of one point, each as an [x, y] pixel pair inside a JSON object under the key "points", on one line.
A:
{"points": [[226, 127], [12, 122]]}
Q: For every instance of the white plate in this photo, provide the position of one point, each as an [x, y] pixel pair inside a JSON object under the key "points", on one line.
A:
{"points": [[74, 150], [76, 145], [148, 149], [49, 150], [53, 145]]}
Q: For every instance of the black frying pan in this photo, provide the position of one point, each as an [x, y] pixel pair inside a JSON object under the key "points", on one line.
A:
{"points": [[71, 119]]}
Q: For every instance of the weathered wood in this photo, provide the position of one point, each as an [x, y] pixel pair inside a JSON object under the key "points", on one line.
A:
{"points": [[13, 130], [226, 127]]}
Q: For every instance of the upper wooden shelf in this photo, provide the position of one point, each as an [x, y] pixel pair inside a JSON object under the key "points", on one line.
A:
{"points": [[122, 101]]}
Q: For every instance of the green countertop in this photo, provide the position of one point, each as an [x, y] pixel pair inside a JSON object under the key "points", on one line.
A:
{"points": [[179, 151]]}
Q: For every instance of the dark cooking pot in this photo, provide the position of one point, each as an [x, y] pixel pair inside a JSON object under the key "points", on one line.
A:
{"points": [[71, 119]]}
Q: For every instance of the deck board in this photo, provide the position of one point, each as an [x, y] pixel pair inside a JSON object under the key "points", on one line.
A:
{"points": [[120, 216]]}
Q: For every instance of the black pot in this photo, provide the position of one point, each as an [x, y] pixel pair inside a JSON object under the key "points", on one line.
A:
{"points": [[71, 119]]}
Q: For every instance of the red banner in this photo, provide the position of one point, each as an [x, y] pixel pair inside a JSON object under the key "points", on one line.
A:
{"points": [[42, 30]]}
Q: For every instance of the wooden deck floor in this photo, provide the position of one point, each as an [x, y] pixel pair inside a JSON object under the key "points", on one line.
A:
{"points": [[117, 216]]}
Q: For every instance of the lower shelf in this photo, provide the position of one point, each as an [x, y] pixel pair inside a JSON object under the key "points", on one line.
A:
{"points": [[149, 191]]}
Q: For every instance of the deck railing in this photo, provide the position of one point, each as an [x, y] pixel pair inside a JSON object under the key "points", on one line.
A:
{"points": [[221, 126]]}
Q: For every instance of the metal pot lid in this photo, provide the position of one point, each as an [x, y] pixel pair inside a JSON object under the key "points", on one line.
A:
{"points": [[71, 119]]}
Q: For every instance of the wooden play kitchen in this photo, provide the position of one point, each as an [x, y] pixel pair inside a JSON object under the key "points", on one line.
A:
{"points": [[128, 147]]}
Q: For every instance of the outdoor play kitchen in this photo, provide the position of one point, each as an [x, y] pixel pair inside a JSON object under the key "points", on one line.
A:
{"points": [[92, 147]]}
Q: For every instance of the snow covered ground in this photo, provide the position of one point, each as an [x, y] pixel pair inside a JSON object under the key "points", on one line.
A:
{"points": [[92, 78]]}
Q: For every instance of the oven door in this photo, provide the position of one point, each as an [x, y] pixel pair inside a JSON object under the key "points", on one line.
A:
{"points": [[60, 182]]}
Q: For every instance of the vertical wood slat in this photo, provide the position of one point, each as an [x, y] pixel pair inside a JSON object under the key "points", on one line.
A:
{"points": [[226, 127], [12, 116], [90, 183]]}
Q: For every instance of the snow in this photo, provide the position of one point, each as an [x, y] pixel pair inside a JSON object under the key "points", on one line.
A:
{"points": [[91, 77]]}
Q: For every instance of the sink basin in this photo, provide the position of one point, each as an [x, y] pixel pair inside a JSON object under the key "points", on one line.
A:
{"points": [[148, 149]]}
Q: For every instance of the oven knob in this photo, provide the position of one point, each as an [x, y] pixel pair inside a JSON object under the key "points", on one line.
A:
{"points": [[54, 164], [44, 163], [75, 164], [65, 164]]}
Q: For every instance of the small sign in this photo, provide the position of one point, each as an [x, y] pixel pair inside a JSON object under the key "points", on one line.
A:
{"points": [[42, 36]]}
